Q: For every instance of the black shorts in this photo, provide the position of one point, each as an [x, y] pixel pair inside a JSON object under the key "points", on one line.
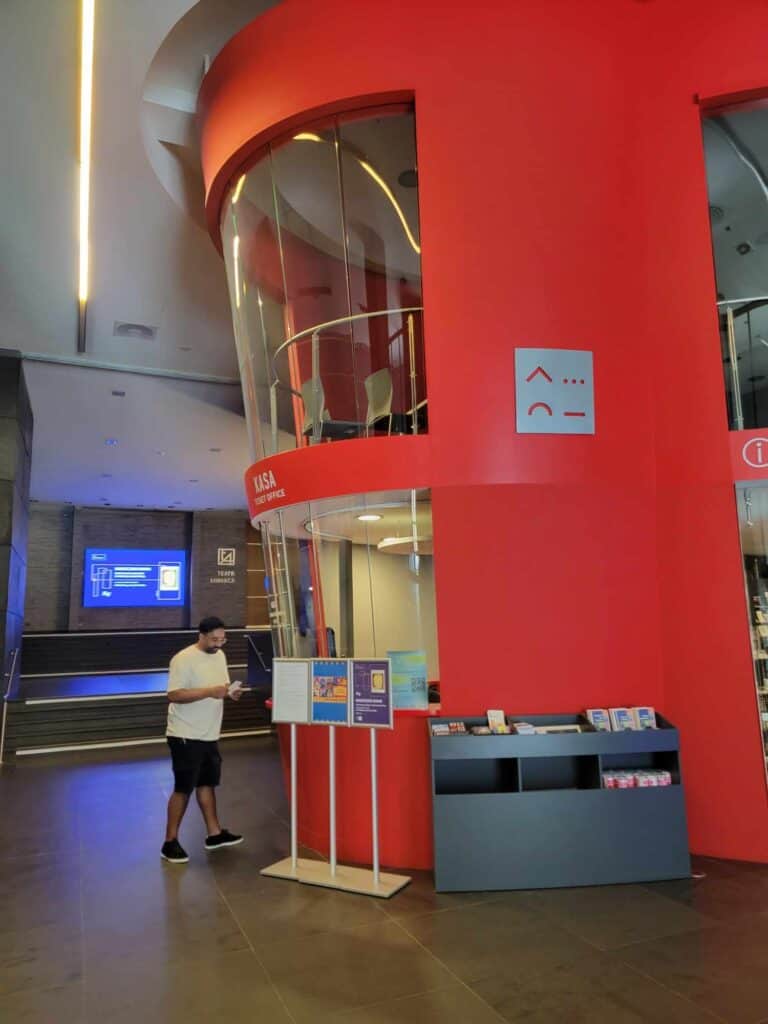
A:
{"points": [[195, 763]]}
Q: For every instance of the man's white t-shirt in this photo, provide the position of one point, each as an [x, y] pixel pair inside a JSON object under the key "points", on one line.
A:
{"points": [[192, 669]]}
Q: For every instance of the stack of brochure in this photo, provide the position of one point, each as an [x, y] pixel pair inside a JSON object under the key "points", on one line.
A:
{"points": [[449, 729], [622, 719]]}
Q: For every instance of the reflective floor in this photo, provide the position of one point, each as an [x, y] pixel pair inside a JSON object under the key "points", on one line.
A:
{"points": [[94, 927]]}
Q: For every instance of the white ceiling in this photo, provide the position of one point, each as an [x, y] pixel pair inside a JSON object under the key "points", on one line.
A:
{"points": [[151, 262]]}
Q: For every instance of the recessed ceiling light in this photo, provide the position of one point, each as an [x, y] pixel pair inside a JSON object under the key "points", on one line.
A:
{"points": [[126, 329], [110, 441], [119, 394], [369, 517]]}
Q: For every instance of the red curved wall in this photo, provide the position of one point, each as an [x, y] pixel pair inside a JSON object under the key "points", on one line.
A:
{"points": [[563, 204]]}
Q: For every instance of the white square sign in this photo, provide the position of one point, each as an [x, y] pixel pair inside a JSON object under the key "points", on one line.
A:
{"points": [[226, 556], [554, 391]]}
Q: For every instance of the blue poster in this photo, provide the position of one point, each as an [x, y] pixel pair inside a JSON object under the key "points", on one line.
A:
{"points": [[409, 679], [330, 691], [371, 694]]}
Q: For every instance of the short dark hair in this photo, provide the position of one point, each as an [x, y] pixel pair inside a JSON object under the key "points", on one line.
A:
{"points": [[209, 623]]}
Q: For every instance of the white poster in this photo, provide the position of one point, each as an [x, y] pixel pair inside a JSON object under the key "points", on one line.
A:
{"points": [[290, 690]]}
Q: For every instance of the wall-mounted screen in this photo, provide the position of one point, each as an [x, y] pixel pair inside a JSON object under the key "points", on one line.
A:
{"points": [[134, 578]]}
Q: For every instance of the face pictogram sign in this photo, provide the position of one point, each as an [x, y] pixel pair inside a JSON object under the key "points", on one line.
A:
{"points": [[554, 391]]}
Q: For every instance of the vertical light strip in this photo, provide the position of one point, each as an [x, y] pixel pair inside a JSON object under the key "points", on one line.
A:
{"points": [[86, 107]]}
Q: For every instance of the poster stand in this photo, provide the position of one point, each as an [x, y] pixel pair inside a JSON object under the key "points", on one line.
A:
{"points": [[330, 874]]}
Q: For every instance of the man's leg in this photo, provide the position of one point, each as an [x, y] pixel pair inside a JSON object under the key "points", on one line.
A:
{"points": [[206, 799], [177, 805]]}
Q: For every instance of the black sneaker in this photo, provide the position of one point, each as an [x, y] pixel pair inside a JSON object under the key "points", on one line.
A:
{"points": [[174, 852], [224, 838]]}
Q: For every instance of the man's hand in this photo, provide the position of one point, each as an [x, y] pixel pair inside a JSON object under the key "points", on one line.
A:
{"points": [[235, 690], [218, 692]]}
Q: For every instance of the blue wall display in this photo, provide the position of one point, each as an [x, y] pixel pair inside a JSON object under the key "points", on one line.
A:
{"points": [[134, 578]]}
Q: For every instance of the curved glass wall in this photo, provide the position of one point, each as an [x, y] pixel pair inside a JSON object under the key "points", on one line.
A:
{"points": [[353, 577], [736, 155], [323, 255]]}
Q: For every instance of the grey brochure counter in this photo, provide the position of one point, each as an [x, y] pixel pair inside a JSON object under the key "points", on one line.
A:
{"points": [[528, 812]]}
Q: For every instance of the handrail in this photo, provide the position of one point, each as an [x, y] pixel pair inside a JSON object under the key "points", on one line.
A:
{"points": [[736, 302], [9, 676], [307, 332], [257, 652]]}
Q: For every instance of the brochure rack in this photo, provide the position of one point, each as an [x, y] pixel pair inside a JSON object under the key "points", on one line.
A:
{"points": [[528, 812]]}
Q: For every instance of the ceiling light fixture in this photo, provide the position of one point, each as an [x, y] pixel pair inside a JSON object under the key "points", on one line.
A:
{"points": [[369, 517], [88, 17], [395, 205], [238, 189], [393, 542], [312, 137]]}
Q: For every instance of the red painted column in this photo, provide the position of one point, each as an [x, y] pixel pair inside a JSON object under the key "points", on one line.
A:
{"points": [[562, 205]]}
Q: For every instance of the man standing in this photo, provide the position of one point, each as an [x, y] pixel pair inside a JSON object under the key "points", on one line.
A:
{"points": [[198, 685]]}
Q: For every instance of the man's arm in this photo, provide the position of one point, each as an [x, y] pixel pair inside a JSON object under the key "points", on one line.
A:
{"points": [[201, 693]]}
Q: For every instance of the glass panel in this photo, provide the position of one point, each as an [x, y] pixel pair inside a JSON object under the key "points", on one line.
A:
{"points": [[321, 243], [379, 181], [753, 526], [306, 176], [355, 587], [252, 256], [736, 155]]}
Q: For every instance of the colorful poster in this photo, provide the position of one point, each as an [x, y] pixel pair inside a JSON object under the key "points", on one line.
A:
{"points": [[409, 679], [371, 693], [330, 691]]}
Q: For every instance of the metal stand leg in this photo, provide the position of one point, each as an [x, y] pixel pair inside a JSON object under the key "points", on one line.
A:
{"points": [[332, 795], [374, 810], [294, 837]]}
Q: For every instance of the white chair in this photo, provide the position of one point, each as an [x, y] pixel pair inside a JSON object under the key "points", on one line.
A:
{"points": [[315, 413], [378, 390]]}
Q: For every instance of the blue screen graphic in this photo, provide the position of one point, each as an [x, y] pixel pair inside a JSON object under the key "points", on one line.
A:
{"points": [[133, 578]]}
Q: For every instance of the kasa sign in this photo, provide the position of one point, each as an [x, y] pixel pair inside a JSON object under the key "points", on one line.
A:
{"points": [[265, 488]]}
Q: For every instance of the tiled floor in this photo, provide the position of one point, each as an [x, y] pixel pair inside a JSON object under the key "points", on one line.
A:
{"points": [[95, 928]]}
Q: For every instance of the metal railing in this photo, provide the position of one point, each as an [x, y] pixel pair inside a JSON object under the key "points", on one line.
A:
{"points": [[733, 308], [9, 676], [314, 333]]}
